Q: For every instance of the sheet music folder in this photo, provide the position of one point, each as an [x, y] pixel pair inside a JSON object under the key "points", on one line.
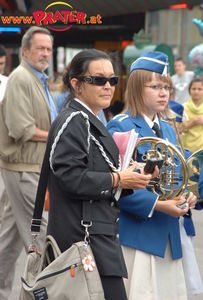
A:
{"points": [[126, 142]]}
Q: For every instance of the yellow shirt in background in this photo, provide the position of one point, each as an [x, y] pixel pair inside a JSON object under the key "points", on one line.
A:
{"points": [[193, 137]]}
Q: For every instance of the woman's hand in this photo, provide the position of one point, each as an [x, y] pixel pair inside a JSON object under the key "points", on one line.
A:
{"points": [[141, 169], [171, 207], [130, 179], [191, 200], [155, 173]]}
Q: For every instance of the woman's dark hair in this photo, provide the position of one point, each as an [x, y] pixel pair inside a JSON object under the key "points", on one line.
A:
{"points": [[80, 64], [195, 79]]}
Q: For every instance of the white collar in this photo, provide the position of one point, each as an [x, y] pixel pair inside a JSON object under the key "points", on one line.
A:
{"points": [[87, 107], [150, 122]]}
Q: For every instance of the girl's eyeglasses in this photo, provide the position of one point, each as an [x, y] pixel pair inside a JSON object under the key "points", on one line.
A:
{"points": [[167, 88]]}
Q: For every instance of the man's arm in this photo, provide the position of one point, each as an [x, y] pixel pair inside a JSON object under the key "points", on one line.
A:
{"points": [[39, 136]]}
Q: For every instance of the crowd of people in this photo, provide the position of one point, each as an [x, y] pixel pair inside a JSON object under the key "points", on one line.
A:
{"points": [[137, 240]]}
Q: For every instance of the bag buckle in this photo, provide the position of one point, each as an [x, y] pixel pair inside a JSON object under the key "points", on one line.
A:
{"points": [[87, 235], [87, 261], [32, 247]]}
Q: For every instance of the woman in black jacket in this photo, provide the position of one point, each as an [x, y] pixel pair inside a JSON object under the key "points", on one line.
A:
{"points": [[85, 166]]}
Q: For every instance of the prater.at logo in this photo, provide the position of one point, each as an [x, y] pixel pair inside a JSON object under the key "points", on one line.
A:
{"points": [[64, 18]]}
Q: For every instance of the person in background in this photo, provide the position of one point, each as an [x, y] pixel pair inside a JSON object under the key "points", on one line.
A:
{"points": [[181, 81], [3, 82], [62, 96], [2, 59], [193, 279], [3, 78], [149, 228], [180, 119], [26, 113], [192, 137], [85, 165]]}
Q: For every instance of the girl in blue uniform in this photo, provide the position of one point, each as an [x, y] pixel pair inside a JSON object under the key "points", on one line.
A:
{"points": [[149, 229], [187, 230]]}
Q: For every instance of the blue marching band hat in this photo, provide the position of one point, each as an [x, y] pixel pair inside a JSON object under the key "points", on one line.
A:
{"points": [[178, 111], [153, 61]]}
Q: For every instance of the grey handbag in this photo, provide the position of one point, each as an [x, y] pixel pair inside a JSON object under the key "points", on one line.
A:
{"points": [[64, 278], [71, 275]]}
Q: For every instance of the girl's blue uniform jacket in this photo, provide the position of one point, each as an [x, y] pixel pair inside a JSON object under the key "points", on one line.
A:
{"points": [[200, 185], [136, 228], [188, 222]]}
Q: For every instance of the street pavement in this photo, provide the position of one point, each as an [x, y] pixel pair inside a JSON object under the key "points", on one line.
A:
{"points": [[198, 247]]}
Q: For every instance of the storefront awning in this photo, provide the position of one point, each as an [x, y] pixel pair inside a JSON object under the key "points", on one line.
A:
{"points": [[105, 8]]}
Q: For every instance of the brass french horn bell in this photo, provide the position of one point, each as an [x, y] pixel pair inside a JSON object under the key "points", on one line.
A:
{"points": [[194, 164], [173, 176]]}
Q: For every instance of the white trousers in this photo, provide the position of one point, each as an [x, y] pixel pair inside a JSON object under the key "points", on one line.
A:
{"points": [[21, 188], [191, 271]]}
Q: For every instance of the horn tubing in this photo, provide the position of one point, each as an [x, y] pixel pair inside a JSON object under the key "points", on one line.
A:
{"points": [[161, 148]]}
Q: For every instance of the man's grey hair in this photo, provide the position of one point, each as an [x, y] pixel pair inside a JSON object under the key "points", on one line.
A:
{"points": [[28, 36]]}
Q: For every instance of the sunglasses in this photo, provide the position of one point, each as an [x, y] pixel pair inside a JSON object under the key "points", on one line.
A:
{"points": [[100, 80]]}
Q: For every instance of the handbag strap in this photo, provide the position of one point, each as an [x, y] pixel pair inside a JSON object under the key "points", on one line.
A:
{"points": [[40, 197]]}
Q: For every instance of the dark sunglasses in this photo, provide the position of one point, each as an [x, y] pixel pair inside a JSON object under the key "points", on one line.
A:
{"points": [[100, 80]]}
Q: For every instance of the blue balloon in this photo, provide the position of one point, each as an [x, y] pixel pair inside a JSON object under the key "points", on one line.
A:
{"points": [[199, 25], [196, 56]]}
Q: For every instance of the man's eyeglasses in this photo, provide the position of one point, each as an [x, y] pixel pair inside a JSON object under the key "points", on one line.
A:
{"points": [[167, 88], [100, 80]]}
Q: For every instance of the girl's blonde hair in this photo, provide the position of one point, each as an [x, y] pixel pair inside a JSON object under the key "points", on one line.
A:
{"points": [[134, 99]]}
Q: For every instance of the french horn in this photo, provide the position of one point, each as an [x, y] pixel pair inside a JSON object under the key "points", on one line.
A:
{"points": [[173, 175], [194, 164]]}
